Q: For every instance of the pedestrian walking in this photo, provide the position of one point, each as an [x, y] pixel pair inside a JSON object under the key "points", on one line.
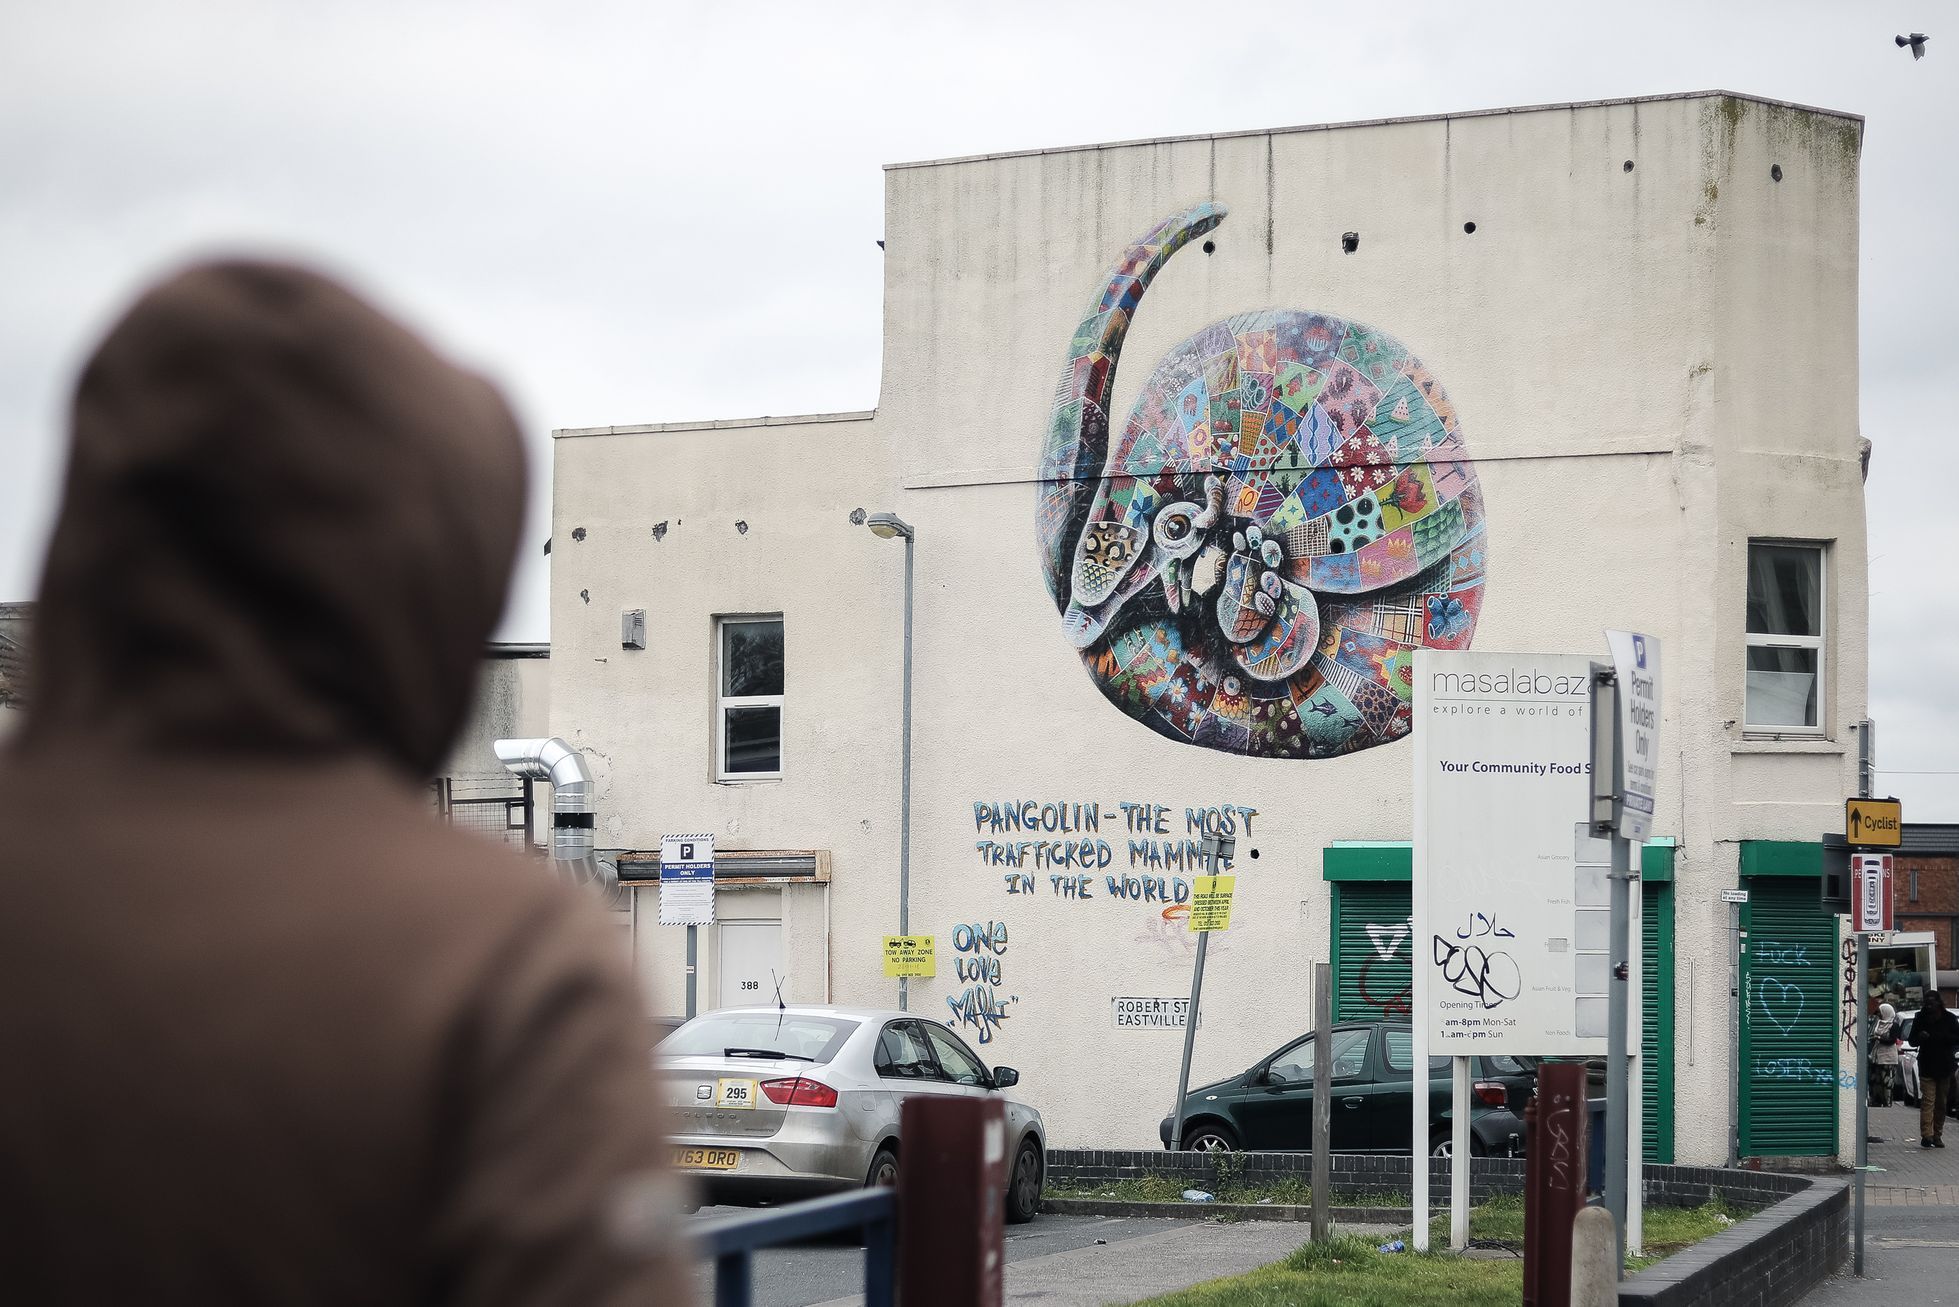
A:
{"points": [[271, 1034], [1935, 1034], [1884, 1055]]}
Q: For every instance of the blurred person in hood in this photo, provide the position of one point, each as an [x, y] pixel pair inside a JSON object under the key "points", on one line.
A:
{"points": [[268, 1033]]}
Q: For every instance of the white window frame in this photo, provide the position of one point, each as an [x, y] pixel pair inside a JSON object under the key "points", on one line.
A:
{"points": [[1817, 642], [723, 701]]}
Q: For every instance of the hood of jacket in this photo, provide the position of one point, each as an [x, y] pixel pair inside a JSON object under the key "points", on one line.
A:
{"points": [[286, 530]]}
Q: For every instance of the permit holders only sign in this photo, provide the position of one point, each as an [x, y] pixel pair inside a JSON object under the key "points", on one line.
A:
{"points": [[686, 880], [1139, 1013], [1503, 920], [1636, 665]]}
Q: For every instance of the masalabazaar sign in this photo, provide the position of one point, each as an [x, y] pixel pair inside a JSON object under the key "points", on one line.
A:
{"points": [[1502, 757]]}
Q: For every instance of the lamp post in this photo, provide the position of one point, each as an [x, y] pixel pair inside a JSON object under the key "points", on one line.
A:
{"points": [[885, 526]]}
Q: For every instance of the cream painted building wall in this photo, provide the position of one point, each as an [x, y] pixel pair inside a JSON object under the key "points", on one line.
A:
{"points": [[1651, 339], [512, 701]]}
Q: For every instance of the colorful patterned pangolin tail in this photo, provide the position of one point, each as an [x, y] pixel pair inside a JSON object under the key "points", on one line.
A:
{"points": [[1078, 433]]}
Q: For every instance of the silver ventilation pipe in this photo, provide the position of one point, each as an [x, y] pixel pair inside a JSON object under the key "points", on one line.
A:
{"points": [[572, 791]]}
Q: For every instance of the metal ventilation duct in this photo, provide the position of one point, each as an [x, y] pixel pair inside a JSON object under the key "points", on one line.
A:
{"points": [[572, 820]]}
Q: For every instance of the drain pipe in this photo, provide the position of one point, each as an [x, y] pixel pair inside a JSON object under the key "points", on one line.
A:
{"points": [[572, 821]]}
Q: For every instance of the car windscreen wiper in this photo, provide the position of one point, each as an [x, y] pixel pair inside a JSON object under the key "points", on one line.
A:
{"points": [[764, 1052]]}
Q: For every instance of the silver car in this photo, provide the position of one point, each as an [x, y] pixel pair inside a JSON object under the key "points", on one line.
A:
{"points": [[774, 1103]]}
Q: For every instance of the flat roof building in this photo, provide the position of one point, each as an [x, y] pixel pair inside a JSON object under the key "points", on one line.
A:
{"points": [[1201, 439]]}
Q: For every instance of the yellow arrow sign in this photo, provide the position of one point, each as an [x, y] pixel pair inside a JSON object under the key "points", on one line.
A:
{"points": [[1873, 823]]}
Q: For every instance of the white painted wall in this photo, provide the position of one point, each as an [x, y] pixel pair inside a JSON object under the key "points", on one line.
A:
{"points": [[512, 701], [1651, 366]]}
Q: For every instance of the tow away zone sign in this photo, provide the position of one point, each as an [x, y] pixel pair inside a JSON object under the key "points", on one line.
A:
{"points": [[911, 955]]}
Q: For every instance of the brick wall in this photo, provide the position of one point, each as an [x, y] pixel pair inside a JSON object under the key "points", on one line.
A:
{"points": [[1356, 1177], [1937, 901], [1772, 1258], [1370, 1179]]}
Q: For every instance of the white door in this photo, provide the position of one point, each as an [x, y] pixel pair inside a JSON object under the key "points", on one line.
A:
{"points": [[751, 962]]}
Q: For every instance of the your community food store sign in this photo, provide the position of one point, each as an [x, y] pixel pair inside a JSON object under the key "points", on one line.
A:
{"points": [[1502, 766]]}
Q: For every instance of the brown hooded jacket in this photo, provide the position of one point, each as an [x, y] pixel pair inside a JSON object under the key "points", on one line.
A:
{"points": [[268, 1034]]}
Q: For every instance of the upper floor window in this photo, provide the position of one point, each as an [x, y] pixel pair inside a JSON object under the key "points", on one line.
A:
{"points": [[1785, 638], [748, 715]]}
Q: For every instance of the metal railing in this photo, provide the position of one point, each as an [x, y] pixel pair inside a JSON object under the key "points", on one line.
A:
{"points": [[733, 1241], [499, 807]]}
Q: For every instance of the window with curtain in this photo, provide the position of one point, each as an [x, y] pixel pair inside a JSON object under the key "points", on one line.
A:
{"points": [[1785, 638]]}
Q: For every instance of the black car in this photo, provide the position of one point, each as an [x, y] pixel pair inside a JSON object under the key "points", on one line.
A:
{"points": [[1270, 1106]]}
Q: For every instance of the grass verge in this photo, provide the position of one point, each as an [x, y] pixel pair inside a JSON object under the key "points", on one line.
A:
{"points": [[1349, 1271], [1665, 1230], [1352, 1270]]}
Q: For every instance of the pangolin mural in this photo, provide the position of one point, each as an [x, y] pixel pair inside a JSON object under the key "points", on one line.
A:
{"points": [[1288, 514]]}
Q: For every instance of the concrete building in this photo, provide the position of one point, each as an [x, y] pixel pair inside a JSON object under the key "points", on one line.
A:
{"points": [[1492, 380], [13, 663], [1925, 894], [471, 788]]}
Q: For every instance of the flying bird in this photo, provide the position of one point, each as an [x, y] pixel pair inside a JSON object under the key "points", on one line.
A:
{"points": [[1916, 41]]}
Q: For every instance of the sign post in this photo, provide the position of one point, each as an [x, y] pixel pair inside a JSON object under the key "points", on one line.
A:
{"points": [[687, 895], [1625, 707], [1213, 900], [1322, 1096], [1867, 824]]}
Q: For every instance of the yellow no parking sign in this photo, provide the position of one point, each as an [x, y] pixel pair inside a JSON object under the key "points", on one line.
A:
{"points": [[1210, 902]]}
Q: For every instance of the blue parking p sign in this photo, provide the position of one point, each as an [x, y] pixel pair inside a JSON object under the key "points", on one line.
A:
{"points": [[686, 880]]}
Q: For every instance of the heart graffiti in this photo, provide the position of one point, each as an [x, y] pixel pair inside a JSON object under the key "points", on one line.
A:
{"points": [[1775, 1005]]}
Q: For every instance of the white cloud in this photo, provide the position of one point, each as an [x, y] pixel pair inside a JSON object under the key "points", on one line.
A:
{"points": [[638, 212]]}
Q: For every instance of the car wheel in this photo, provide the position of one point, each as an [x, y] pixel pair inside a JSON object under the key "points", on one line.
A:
{"points": [[1210, 1139], [1024, 1186], [884, 1170], [1443, 1144]]}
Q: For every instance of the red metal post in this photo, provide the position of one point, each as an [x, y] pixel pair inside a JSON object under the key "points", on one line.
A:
{"points": [[1532, 1165], [1555, 1161], [952, 1201]]}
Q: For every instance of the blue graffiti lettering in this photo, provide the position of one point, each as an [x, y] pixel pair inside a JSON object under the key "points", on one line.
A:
{"points": [[991, 937], [979, 1007]]}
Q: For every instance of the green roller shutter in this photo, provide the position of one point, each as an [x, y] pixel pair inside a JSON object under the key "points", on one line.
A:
{"points": [[1371, 972], [1656, 1021], [1789, 1022]]}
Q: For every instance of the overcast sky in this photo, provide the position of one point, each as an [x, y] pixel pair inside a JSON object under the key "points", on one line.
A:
{"points": [[638, 212]]}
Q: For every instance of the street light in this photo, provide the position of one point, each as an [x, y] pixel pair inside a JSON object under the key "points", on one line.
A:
{"points": [[885, 526]]}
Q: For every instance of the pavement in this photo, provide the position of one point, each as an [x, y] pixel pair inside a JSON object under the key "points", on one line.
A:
{"points": [[1911, 1220], [1055, 1260]]}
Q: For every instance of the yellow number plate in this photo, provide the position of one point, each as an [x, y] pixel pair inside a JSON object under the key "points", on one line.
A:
{"points": [[734, 1093], [707, 1159]]}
